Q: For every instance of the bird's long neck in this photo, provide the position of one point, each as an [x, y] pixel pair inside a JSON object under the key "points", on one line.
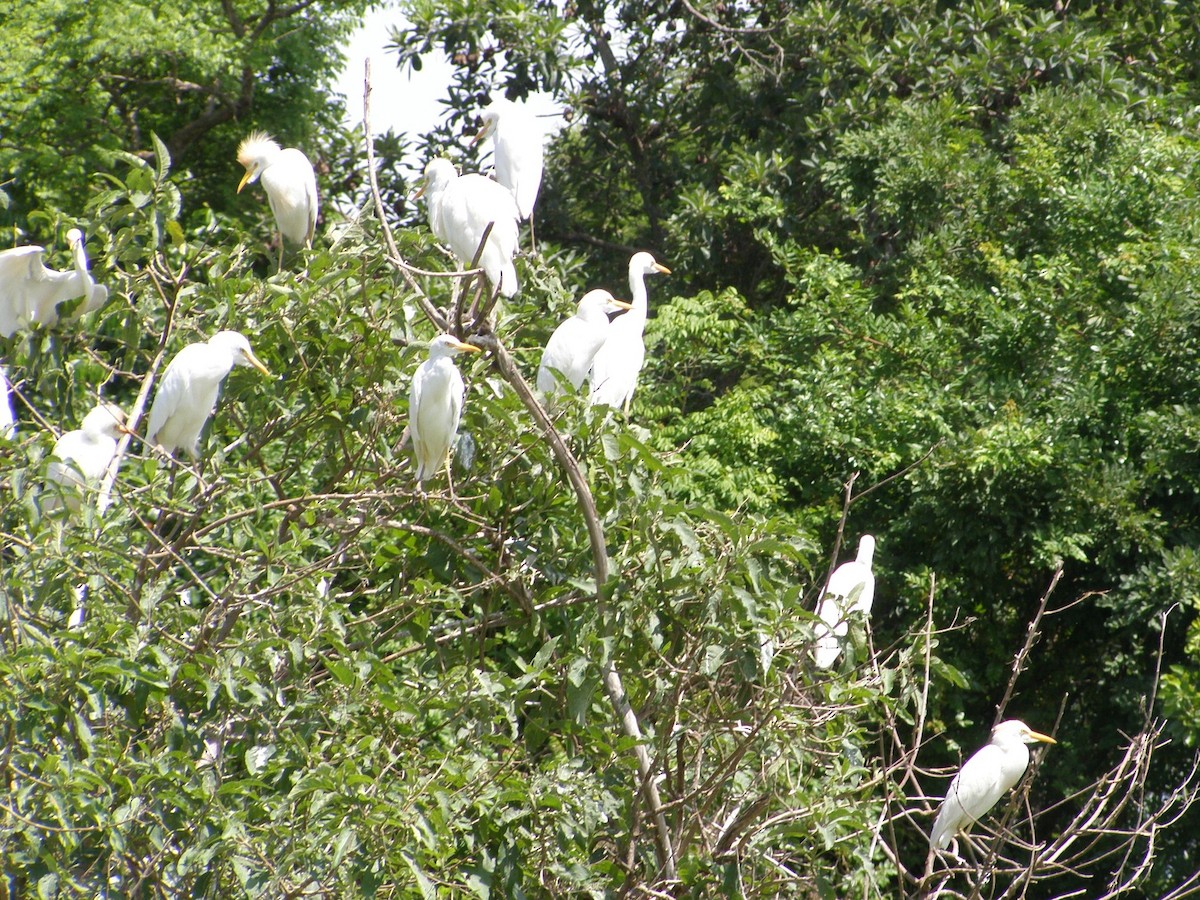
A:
{"points": [[85, 278], [637, 295]]}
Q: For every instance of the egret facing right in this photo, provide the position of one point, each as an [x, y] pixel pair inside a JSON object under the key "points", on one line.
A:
{"points": [[81, 457], [435, 404], [618, 363], [290, 183], [187, 394], [984, 779], [576, 341]]}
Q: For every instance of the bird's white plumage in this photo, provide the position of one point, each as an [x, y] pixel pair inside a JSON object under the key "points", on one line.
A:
{"points": [[30, 293], [187, 394], [984, 778], [81, 457], [851, 589], [617, 364], [460, 208], [574, 344], [518, 153], [435, 404], [8, 419], [290, 182]]}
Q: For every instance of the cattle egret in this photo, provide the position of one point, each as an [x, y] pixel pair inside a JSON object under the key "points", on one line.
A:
{"points": [[8, 419], [617, 364], [518, 150], [187, 394], [851, 588], [984, 779], [574, 343], [290, 183], [435, 404], [30, 293], [82, 456], [460, 208]]}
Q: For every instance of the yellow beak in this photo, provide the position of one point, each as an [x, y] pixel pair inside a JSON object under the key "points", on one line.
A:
{"points": [[466, 348], [1043, 738], [244, 181], [621, 304], [483, 132], [659, 267], [419, 192], [257, 363]]}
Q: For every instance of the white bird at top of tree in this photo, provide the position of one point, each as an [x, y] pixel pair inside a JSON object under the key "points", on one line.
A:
{"points": [[435, 404], [574, 344], [851, 589], [984, 778], [82, 456], [187, 394], [518, 150], [30, 293], [617, 364], [290, 183], [460, 208]]}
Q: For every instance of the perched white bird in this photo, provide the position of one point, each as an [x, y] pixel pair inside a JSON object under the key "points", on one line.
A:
{"points": [[435, 404], [984, 779], [81, 457], [617, 364], [574, 343], [460, 208], [290, 183], [8, 418], [30, 293], [518, 150], [851, 588], [187, 394]]}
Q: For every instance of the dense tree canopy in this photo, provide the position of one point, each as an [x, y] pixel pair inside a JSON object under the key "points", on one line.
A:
{"points": [[932, 280]]}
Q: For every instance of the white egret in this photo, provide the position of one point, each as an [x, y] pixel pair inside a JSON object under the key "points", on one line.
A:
{"points": [[617, 364], [187, 394], [460, 208], [851, 588], [8, 418], [435, 404], [81, 457], [518, 143], [30, 293], [290, 183], [984, 779], [574, 343]]}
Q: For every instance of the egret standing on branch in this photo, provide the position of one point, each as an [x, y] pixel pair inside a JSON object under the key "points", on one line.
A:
{"points": [[617, 364], [290, 183], [574, 344], [984, 779], [435, 404], [81, 457], [460, 208], [518, 141], [187, 395], [30, 293], [851, 588]]}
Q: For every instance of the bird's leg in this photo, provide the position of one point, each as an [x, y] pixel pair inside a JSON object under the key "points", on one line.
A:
{"points": [[532, 237], [280, 269], [450, 474]]}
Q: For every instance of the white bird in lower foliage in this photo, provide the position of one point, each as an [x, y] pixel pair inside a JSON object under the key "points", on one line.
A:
{"points": [[187, 394], [851, 588], [435, 404], [460, 208], [290, 183], [617, 364], [82, 456], [574, 344], [30, 293], [984, 779], [518, 150], [8, 418]]}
